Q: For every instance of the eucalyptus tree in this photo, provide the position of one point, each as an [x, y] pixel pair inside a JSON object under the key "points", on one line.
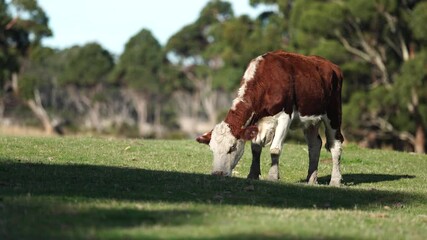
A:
{"points": [[23, 24], [139, 71], [36, 82], [84, 74], [191, 48], [411, 83]]}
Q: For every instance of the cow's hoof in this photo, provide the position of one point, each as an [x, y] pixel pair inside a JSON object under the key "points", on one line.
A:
{"points": [[273, 174], [312, 179], [335, 182], [273, 178], [312, 182]]}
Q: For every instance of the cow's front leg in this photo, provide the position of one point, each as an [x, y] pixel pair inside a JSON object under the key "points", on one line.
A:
{"points": [[283, 124], [314, 143], [255, 166]]}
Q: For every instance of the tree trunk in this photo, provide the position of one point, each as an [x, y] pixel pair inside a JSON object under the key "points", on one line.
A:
{"points": [[2, 108], [158, 128], [95, 116], [413, 107], [420, 139], [140, 102], [209, 105], [39, 111], [76, 99]]}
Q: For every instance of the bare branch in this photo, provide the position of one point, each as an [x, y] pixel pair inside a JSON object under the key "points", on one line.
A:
{"points": [[11, 23], [351, 49], [393, 46], [391, 21], [401, 50], [374, 55], [403, 47], [408, 137]]}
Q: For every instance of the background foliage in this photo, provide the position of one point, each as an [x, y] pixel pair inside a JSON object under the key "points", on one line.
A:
{"points": [[186, 86]]}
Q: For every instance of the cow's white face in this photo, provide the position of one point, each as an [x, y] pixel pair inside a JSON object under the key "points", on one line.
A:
{"points": [[227, 150]]}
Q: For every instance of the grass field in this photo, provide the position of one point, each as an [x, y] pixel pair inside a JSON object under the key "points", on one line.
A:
{"points": [[93, 188]]}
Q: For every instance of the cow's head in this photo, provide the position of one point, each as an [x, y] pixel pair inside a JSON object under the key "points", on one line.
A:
{"points": [[227, 149]]}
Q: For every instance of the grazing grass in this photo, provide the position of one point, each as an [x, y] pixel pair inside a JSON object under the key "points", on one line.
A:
{"points": [[92, 188]]}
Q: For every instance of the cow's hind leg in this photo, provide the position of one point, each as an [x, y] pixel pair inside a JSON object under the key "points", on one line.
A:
{"points": [[283, 124], [336, 150], [334, 145], [314, 143], [255, 166]]}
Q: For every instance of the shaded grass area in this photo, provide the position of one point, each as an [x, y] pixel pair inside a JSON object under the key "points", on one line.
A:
{"points": [[88, 188], [120, 183]]}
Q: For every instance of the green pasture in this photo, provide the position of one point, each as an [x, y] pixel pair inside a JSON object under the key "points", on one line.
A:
{"points": [[99, 188]]}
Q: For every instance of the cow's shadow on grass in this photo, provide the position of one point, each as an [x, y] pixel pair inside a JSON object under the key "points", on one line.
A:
{"points": [[359, 178], [104, 182]]}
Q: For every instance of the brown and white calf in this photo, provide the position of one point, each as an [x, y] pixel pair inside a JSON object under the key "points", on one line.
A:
{"points": [[298, 89]]}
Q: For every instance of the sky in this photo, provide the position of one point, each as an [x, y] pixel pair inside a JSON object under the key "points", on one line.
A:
{"points": [[112, 23]]}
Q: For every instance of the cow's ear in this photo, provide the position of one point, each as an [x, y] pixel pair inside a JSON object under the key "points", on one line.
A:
{"points": [[205, 138], [249, 133]]}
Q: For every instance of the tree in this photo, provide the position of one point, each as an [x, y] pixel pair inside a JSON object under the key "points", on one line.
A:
{"points": [[84, 73], [411, 89], [86, 66], [37, 76], [23, 25], [191, 47], [139, 71]]}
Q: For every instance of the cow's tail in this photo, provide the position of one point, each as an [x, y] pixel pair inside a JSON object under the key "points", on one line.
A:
{"points": [[334, 109]]}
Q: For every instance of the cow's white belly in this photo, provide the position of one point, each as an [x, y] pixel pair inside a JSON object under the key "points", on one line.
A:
{"points": [[299, 121]]}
